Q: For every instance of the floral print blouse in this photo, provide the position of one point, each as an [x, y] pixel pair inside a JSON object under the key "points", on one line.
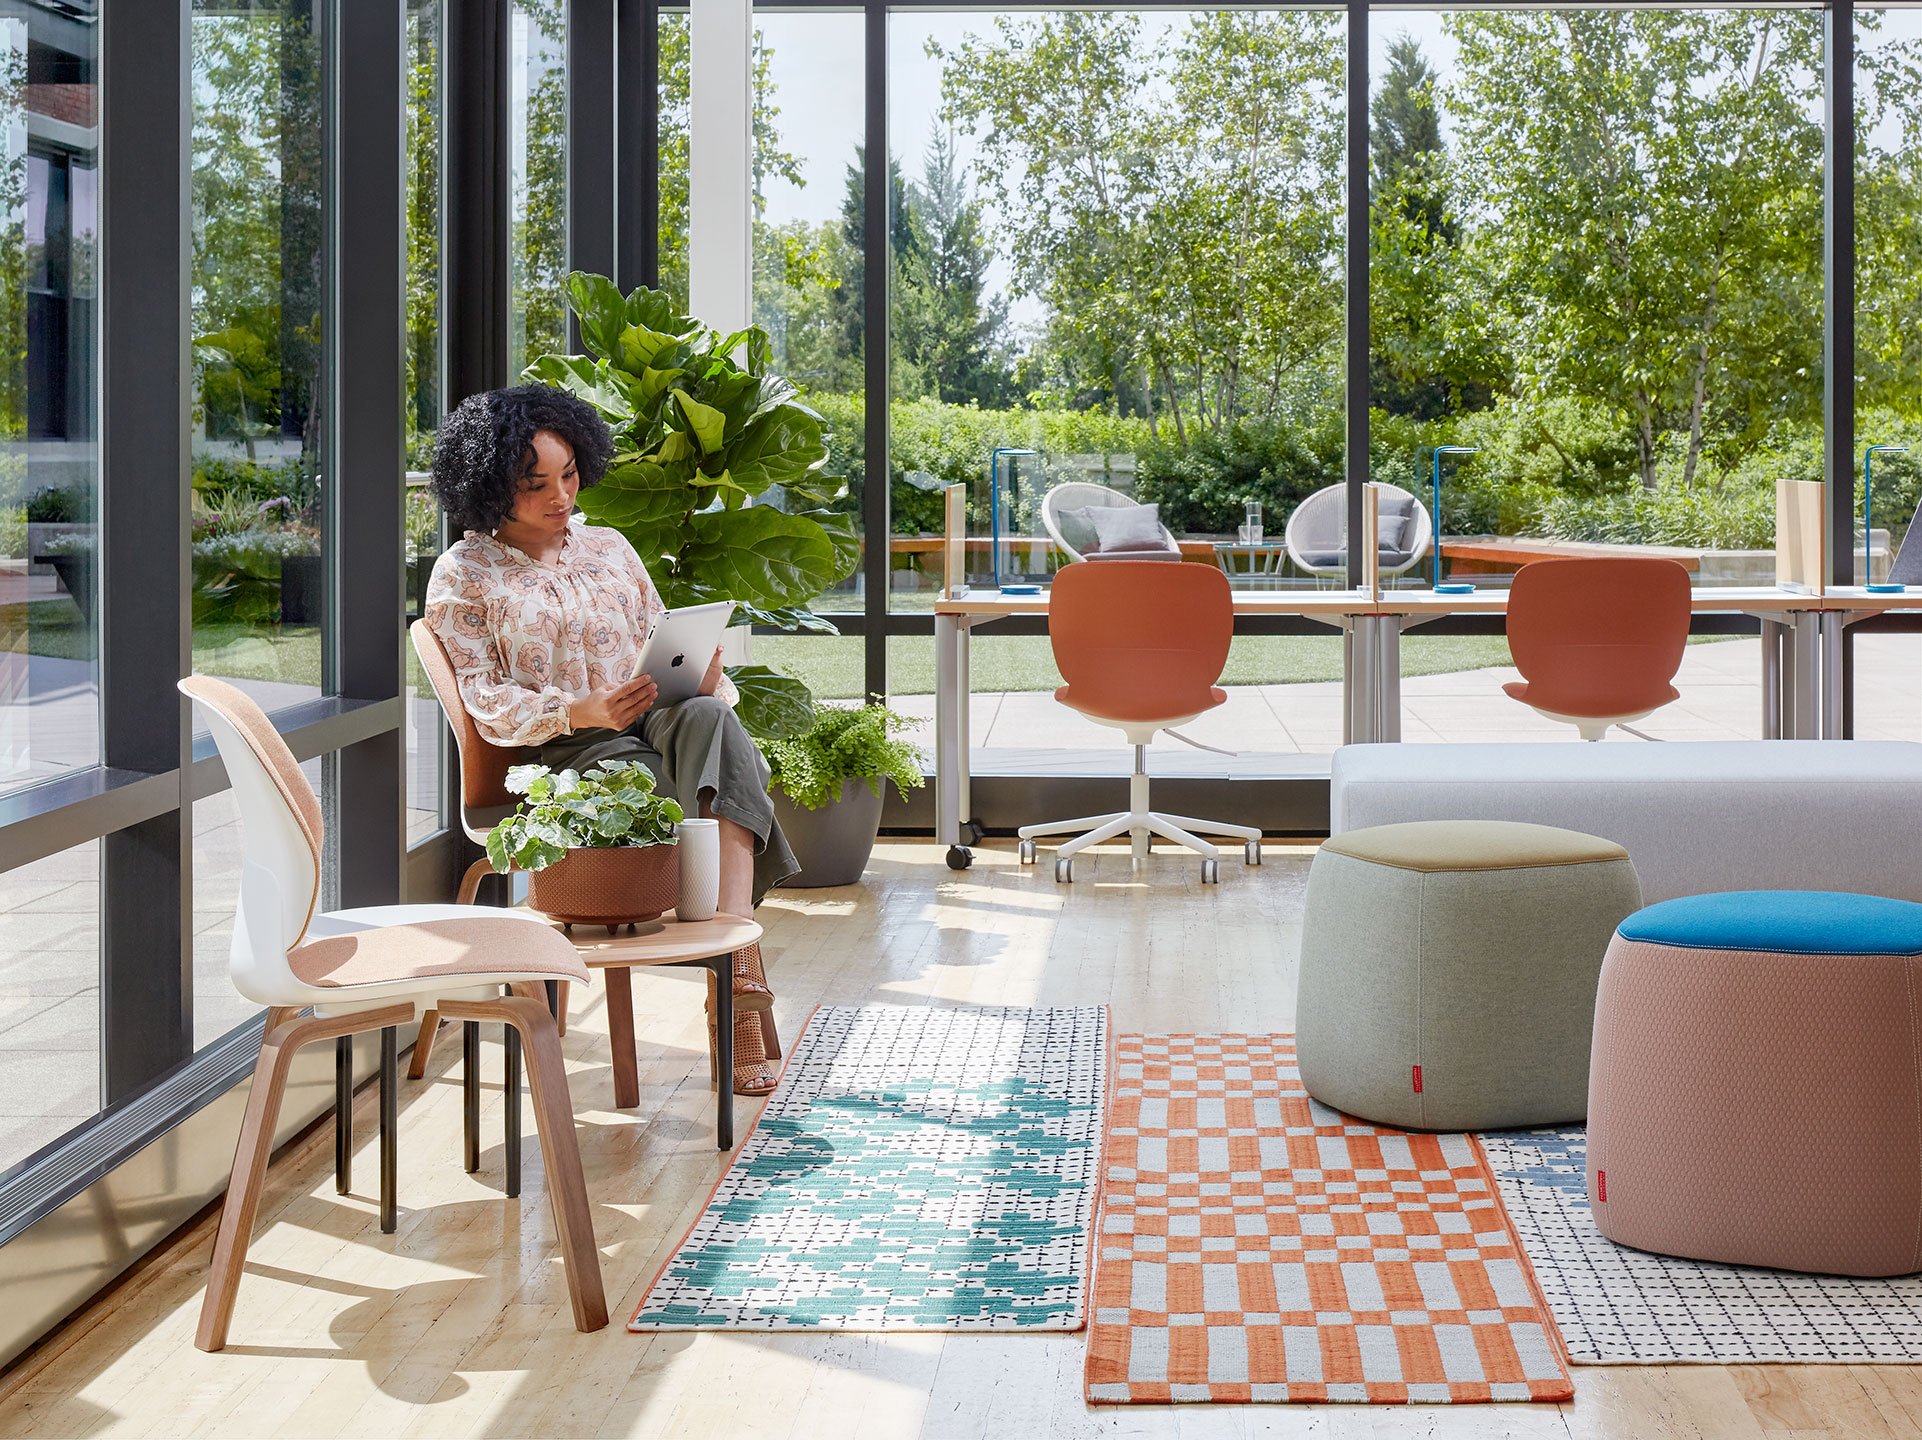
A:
{"points": [[527, 639]]}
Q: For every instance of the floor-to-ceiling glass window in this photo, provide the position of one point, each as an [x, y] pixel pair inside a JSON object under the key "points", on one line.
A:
{"points": [[1116, 240], [1596, 264], [672, 90], [49, 584], [49, 455], [537, 188], [423, 399], [809, 123], [259, 482]]}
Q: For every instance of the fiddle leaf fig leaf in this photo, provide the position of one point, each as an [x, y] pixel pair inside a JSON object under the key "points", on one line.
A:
{"points": [[772, 705], [760, 552]]}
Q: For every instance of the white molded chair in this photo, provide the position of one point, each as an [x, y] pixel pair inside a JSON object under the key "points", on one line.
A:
{"points": [[1317, 533], [376, 968], [1081, 494]]}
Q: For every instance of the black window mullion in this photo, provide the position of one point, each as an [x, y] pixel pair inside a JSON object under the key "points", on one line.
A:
{"points": [[146, 644], [475, 225], [1838, 285], [365, 438], [637, 144], [877, 463], [592, 145]]}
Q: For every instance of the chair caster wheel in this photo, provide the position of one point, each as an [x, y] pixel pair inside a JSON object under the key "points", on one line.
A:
{"points": [[1026, 851], [975, 832], [1064, 872], [1251, 852], [959, 857], [1210, 872]]}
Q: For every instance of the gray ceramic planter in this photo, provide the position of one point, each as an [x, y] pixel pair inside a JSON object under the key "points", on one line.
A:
{"points": [[834, 842]]}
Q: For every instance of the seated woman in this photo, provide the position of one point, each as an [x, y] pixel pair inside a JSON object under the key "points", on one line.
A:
{"points": [[544, 617]]}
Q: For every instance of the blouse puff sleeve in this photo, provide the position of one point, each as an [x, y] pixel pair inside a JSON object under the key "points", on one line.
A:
{"points": [[655, 609], [505, 713]]}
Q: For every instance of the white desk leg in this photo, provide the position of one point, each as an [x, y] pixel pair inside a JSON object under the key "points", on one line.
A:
{"points": [[1772, 709], [1805, 656], [964, 726], [1349, 679], [950, 729], [1388, 686], [1830, 625]]}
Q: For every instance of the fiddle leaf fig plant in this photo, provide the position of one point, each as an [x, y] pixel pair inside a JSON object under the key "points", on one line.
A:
{"points": [[719, 476], [560, 810]]}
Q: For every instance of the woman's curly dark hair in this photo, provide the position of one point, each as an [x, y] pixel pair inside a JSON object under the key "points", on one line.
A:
{"points": [[486, 444]]}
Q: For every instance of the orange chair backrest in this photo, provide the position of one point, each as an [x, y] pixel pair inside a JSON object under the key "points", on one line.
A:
{"points": [[1141, 639], [1600, 636], [483, 765]]}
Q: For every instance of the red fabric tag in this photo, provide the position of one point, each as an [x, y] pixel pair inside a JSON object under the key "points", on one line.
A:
{"points": [[1418, 1079], [1601, 1184]]}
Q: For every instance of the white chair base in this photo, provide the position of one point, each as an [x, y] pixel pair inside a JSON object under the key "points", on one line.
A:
{"points": [[1141, 824], [1592, 727]]}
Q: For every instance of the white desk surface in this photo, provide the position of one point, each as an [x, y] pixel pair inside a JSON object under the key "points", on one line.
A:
{"points": [[1748, 599], [1744, 598], [1854, 597], [988, 603]]}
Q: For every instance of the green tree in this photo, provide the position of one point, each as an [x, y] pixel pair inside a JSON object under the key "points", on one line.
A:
{"points": [[537, 248], [962, 346], [1649, 185], [1175, 206]]}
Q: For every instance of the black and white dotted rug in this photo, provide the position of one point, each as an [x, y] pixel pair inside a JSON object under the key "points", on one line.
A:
{"points": [[1617, 1306]]}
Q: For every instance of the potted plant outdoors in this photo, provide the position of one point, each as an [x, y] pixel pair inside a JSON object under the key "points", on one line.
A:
{"points": [[828, 787], [599, 847], [718, 477]]}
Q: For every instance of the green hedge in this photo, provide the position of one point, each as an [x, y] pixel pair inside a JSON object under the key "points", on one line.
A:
{"points": [[1561, 469]]}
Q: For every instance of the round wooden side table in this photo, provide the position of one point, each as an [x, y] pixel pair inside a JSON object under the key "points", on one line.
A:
{"points": [[709, 944]]}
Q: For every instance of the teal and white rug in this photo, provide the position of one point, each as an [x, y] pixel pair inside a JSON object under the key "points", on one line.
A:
{"points": [[918, 1169]]}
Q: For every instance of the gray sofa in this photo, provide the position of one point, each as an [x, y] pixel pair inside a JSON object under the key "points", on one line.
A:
{"points": [[1696, 817]]}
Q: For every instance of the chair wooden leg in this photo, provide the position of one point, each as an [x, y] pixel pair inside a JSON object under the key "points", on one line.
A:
{"points": [[286, 1032], [424, 1043], [560, 1007], [470, 882], [554, 1119]]}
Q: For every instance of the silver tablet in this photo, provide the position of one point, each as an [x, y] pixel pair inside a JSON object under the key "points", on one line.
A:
{"points": [[678, 652]]}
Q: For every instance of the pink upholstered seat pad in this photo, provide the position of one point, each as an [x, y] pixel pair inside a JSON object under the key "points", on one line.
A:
{"points": [[481, 947]]}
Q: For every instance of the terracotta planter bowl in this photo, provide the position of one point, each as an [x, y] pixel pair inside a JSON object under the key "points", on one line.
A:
{"points": [[617, 886]]}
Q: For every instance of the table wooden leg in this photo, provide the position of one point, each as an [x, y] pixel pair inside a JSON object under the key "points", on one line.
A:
{"points": [[724, 1051], [620, 1036]]}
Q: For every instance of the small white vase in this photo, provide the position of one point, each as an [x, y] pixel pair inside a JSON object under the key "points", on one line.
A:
{"points": [[699, 843]]}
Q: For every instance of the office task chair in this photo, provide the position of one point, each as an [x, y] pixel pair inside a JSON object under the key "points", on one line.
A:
{"points": [[1597, 641], [376, 968], [1141, 644]]}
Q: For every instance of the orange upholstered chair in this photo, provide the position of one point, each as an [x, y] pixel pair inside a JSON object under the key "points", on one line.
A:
{"points": [[1141, 645], [1597, 641]]}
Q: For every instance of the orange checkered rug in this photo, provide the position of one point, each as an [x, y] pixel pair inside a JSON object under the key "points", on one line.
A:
{"points": [[1255, 1245]]}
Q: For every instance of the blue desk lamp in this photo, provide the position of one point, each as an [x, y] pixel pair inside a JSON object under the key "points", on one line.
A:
{"points": [[1868, 531], [1460, 587]]}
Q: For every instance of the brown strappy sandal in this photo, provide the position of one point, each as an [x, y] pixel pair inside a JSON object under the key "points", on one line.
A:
{"points": [[751, 990], [753, 1075]]}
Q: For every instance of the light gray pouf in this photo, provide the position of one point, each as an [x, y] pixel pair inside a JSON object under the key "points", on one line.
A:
{"points": [[1448, 971]]}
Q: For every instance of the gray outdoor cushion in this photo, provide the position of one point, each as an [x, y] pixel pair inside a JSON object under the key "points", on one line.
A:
{"points": [[1448, 971], [1077, 529], [1127, 527]]}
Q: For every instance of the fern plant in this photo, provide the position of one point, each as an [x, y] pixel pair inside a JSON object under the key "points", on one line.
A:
{"points": [[859, 742], [612, 804]]}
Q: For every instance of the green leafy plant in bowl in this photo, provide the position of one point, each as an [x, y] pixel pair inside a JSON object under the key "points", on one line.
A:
{"points": [[829, 782], [599, 846], [719, 477]]}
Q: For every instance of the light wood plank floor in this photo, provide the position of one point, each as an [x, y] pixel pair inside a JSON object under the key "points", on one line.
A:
{"points": [[459, 1325]]}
